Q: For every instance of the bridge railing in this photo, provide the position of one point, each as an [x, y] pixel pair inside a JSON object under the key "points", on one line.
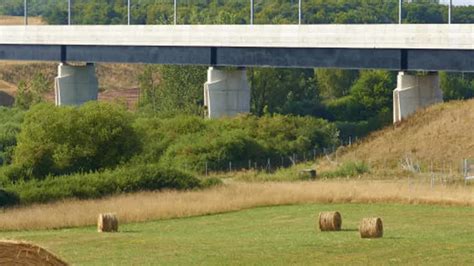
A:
{"points": [[244, 11]]}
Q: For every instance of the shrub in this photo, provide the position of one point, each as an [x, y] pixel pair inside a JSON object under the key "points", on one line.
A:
{"points": [[63, 140], [158, 134], [344, 109], [193, 151], [10, 124], [348, 169], [211, 182], [99, 184], [192, 142]]}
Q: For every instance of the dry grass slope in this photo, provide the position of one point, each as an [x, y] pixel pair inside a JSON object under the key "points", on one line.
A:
{"points": [[148, 206], [441, 134]]}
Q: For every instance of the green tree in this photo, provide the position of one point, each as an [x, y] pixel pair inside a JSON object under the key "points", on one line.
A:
{"points": [[31, 92], [335, 83], [176, 89], [373, 90], [457, 86], [282, 90], [63, 140]]}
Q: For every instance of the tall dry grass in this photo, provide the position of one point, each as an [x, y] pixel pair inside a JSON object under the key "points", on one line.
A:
{"points": [[231, 197]]}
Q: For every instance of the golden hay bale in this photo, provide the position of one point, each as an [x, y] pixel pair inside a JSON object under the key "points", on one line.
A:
{"points": [[107, 222], [21, 253], [330, 221], [371, 228]]}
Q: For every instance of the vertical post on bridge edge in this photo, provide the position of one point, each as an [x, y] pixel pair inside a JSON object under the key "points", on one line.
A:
{"points": [[251, 12], [69, 7], [300, 11], [400, 2], [175, 12], [25, 11], [128, 12], [450, 10]]}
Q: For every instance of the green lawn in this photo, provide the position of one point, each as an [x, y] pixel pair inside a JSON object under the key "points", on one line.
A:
{"points": [[414, 234]]}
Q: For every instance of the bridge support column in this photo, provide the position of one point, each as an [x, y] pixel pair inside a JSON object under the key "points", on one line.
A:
{"points": [[414, 92], [226, 92], [75, 85]]}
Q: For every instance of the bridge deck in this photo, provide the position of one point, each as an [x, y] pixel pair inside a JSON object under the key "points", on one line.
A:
{"points": [[385, 36], [428, 47]]}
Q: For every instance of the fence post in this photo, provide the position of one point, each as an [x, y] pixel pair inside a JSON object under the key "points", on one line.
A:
{"points": [[251, 12], [175, 12], [400, 11], [69, 11], [129, 12], [450, 10], [25, 11], [300, 11]]}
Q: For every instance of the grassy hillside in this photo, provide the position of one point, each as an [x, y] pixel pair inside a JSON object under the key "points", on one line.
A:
{"points": [[440, 135], [274, 236]]}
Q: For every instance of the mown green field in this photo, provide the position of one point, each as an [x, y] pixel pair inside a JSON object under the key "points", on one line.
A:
{"points": [[414, 234]]}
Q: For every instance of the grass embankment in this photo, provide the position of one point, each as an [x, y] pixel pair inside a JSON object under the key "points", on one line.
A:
{"points": [[282, 235], [147, 206], [435, 138]]}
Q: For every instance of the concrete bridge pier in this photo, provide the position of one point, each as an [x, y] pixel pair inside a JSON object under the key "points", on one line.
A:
{"points": [[226, 92], [414, 92], [75, 85]]}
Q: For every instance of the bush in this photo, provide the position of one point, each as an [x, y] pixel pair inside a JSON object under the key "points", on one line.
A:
{"points": [[63, 140], [344, 109], [8, 198], [193, 151], [99, 184], [192, 142], [348, 169], [211, 182], [10, 124]]}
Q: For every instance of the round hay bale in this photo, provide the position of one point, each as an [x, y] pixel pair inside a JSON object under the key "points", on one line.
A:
{"points": [[330, 221], [107, 222], [22, 253], [371, 228]]}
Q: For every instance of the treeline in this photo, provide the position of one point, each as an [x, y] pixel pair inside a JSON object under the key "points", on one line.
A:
{"points": [[237, 11]]}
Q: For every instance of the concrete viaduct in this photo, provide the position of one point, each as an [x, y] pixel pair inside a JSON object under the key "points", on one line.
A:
{"points": [[405, 47]]}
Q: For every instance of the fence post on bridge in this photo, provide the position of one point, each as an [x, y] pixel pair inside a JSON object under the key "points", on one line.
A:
{"points": [[175, 11], [400, 2], [25, 11], [69, 8], [450, 10], [251, 12], [129, 12], [300, 11]]}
